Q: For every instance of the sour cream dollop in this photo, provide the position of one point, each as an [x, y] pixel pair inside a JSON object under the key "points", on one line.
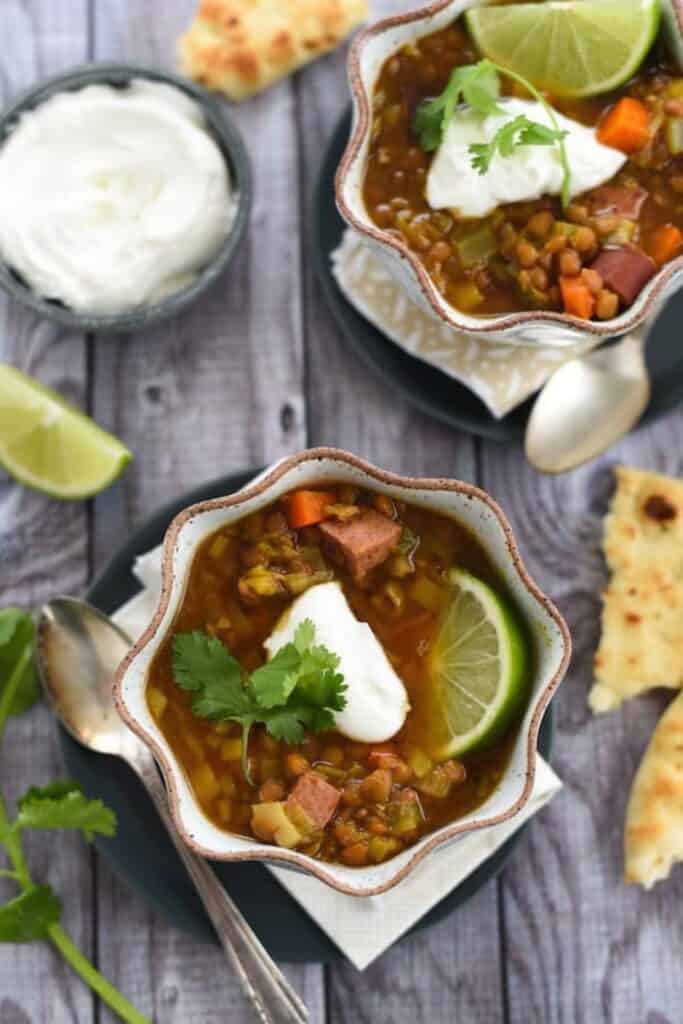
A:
{"points": [[110, 198], [529, 173], [376, 699]]}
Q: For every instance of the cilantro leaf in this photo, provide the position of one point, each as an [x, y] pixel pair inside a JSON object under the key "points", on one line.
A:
{"points": [[271, 684], [478, 86], [28, 916], [204, 666], [304, 636], [475, 84], [299, 687], [17, 635], [63, 804], [520, 131]]}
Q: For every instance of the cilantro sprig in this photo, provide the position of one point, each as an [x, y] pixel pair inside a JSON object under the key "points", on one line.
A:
{"points": [[35, 912], [478, 86], [298, 688]]}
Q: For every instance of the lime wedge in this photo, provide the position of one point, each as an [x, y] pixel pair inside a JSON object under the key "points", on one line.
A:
{"points": [[479, 668], [569, 47], [47, 444]]}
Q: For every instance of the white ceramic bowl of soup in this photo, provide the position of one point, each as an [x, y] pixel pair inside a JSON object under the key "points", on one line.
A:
{"points": [[370, 50], [471, 507]]}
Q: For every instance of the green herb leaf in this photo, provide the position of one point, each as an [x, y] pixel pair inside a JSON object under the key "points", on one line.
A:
{"points": [[17, 635], [204, 666], [475, 84], [63, 804], [271, 684], [28, 916], [298, 688], [520, 131], [478, 86]]}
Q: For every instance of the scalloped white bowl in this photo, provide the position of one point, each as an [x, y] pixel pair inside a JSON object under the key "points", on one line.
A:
{"points": [[472, 507], [370, 50]]}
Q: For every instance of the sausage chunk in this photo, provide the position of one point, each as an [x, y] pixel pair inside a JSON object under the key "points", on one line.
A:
{"points": [[362, 543], [317, 799], [625, 202], [624, 271]]}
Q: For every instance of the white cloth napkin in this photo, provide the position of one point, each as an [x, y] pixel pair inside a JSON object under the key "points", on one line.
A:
{"points": [[502, 376], [364, 927]]}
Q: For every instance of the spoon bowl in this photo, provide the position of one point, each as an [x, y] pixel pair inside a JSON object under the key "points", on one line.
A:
{"points": [[78, 650], [588, 404]]}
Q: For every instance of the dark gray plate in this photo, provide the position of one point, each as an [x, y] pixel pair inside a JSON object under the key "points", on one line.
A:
{"points": [[429, 389], [141, 852]]}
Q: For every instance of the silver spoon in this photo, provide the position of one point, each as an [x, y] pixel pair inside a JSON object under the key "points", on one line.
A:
{"points": [[78, 652], [588, 404]]}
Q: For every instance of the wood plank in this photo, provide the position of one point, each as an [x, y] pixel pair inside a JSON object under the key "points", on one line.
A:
{"points": [[451, 971], [217, 389], [43, 549], [580, 945]]}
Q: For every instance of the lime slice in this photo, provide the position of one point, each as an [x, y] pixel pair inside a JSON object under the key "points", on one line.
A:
{"points": [[479, 668], [569, 47], [47, 444]]}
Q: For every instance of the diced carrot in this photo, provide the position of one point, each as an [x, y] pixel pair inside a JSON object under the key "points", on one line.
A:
{"points": [[577, 297], [665, 243], [626, 126], [306, 508]]}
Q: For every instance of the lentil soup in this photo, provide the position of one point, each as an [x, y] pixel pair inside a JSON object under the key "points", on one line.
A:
{"points": [[590, 259], [333, 797]]}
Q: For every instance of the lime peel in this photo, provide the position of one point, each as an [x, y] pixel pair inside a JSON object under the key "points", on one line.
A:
{"points": [[479, 667], [571, 48], [49, 445]]}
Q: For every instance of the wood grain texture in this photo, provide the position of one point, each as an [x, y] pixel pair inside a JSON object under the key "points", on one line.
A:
{"points": [[581, 946], [43, 545], [218, 389], [453, 971]]}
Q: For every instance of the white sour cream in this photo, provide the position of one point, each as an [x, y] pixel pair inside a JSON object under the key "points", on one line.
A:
{"points": [[111, 199], [376, 699], [531, 171]]}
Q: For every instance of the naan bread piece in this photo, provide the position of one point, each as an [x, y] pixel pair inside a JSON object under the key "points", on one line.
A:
{"points": [[653, 837], [642, 617], [240, 47]]}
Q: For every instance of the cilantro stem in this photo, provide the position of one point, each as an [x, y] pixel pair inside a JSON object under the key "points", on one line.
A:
{"points": [[564, 160], [12, 685], [73, 956], [246, 728], [92, 977]]}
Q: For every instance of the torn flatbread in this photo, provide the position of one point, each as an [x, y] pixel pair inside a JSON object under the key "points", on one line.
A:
{"points": [[240, 47], [641, 646], [653, 836]]}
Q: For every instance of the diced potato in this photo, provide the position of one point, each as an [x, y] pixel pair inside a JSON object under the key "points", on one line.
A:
{"points": [[231, 750], [157, 701], [227, 784], [213, 741], [381, 847], [418, 762], [224, 808], [218, 546], [427, 593], [205, 783], [467, 296], [271, 822], [300, 819]]}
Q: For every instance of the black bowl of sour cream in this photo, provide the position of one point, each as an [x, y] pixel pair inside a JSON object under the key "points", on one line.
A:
{"points": [[124, 191]]}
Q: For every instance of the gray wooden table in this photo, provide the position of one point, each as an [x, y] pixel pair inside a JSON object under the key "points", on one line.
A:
{"points": [[255, 371]]}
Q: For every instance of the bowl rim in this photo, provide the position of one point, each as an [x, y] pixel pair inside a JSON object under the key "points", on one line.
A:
{"points": [[361, 98], [260, 486], [225, 134]]}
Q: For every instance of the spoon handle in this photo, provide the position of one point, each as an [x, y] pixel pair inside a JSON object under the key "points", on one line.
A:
{"points": [[264, 985]]}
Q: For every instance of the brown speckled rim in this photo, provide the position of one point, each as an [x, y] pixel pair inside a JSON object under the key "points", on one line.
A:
{"points": [[362, 103], [261, 487]]}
